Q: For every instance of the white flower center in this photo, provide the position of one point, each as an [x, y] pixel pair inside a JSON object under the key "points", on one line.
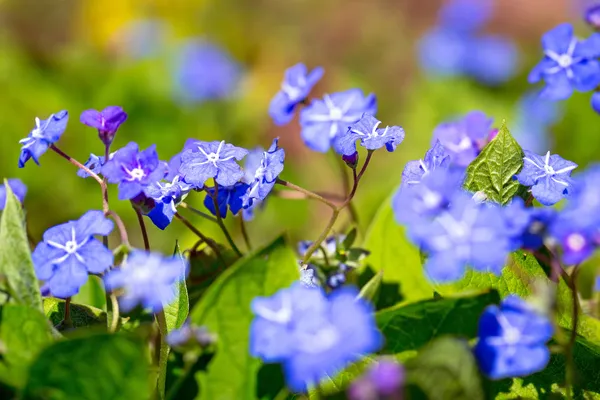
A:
{"points": [[564, 60], [512, 336], [71, 247], [335, 114], [212, 157], [137, 173], [576, 242], [292, 92]]}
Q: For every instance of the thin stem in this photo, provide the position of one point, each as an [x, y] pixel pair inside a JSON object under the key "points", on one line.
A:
{"points": [[569, 351], [293, 195], [140, 218], [220, 220], [114, 324], [308, 193], [208, 241], [163, 354], [342, 166], [67, 318], [120, 226], [283, 394], [245, 233], [198, 212]]}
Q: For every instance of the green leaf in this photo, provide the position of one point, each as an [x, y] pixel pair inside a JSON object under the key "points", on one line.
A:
{"points": [[493, 170], [15, 256], [81, 315], [177, 312], [410, 326], [445, 369], [92, 293], [225, 310], [24, 332], [349, 239], [371, 289], [400, 260], [95, 367]]}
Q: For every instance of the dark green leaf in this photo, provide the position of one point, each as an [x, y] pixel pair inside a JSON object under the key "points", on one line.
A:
{"points": [[177, 312], [349, 239], [444, 370], [371, 289], [92, 293], [493, 170], [24, 332], [81, 315], [95, 367], [15, 256], [225, 310]]}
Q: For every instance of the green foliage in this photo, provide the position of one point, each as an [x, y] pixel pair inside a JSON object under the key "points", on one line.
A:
{"points": [[370, 290], [16, 267], [81, 314], [177, 312], [94, 367], [24, 331], [493, 170], [225, 310]]}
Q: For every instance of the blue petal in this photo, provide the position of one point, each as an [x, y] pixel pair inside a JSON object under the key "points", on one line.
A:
{"points": [[98, 258], [558, 39], [93, 223], [68, 278]]}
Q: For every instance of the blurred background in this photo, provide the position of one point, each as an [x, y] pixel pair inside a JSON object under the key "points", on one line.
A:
{"points": [[164, 60]]}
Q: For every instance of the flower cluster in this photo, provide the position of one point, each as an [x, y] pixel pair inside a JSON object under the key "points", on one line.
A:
{"points": [[311, 334], [455, 47]]}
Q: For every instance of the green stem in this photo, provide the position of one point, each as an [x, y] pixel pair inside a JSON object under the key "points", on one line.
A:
{"points": [[283, 394], [198, 212], [140, 218], [206, 240], [245, 233], [114, 321], [342, 166], [163, 354], [220, 220], [308, 193], [569, 350]]}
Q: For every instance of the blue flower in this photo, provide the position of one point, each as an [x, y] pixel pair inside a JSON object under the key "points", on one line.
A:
{"points": [[385, 378], [465, 137], [17, 187], [465, 16], [106, 121], [190, 334], [166, 196], [251, 165], [45, 133], [415, 171], [535, 115], [134, 170], [206, 71], [517, 218], [512, 340], [265, 176], [467, 234], [549, 176], [94, 164], [312, 335], [568, 64], [491, 59], [323, 120], [227, 197], [309, 277], [577, 226], [592, 14], [147, 279], [294, 89], [338, 277], [370, 135], [329, 245], [212, 160], [69, 252]]}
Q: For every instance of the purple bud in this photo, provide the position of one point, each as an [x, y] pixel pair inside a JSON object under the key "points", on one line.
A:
{"points": [[385, 378], [592, 16], [596, 102], [106, 121], [351, 160]]}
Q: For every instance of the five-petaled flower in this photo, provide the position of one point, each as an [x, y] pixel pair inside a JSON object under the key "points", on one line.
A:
{"points": [[45, 133], [415, 171], [265, 176], [106, 121], [512, 339], [295, 88], [323, 120], [568, 63], [69, 252], [166, 196], [16, 186], [311, 334], [134, 170], [370, 135], [212, 160], [147, 279], [549, 176]]}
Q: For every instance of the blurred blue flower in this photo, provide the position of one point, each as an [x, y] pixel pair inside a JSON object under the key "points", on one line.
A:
{"points": [[212, 160], [512, 340], [16, 186], [467, 234], [535, 115], [69, 252], [517, 218], [295, 88], [147, 279], [94, 164], [384, 379], [312, 335], [265, 176], [228, 197], [338, 277], [323, 120], [464, 138], [308, 276], [465, 16], [134, 170], [206, 71], [370, 135], [540, 219], [329, 245], [592, 14], [491, 59], [45, 133], [166, 196], [142, 38], [190, 334], [549, 176], [415, 171], [106, 121], [568, 64]]}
